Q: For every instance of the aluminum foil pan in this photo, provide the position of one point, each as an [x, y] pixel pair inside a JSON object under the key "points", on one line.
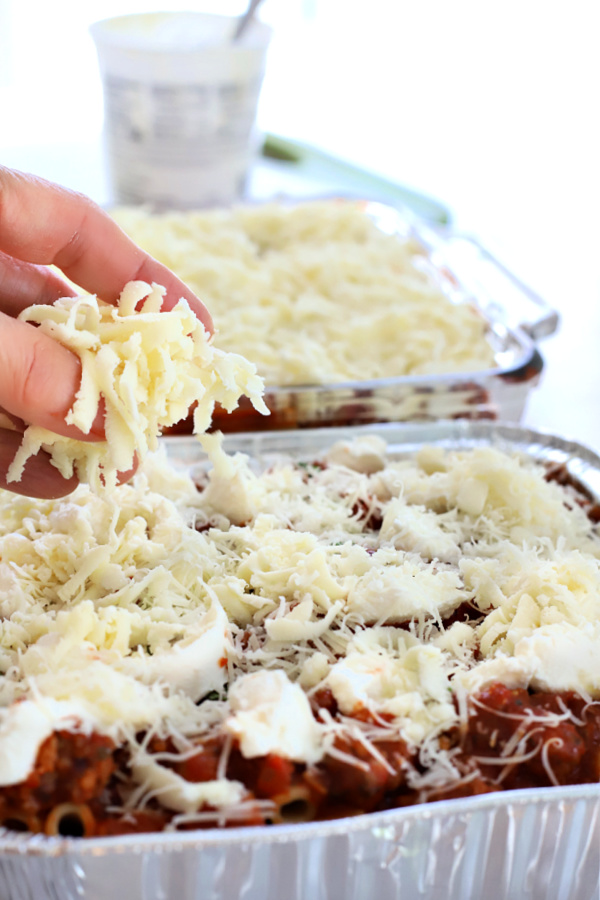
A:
{"points": [[538, 844], [535, 844], [405, 439]]}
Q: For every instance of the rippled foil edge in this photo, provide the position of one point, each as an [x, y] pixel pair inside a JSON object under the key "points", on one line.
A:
{"points": [[533, 845]]}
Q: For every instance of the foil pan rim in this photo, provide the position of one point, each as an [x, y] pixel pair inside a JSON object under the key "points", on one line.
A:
{"points": [[369, 823]]}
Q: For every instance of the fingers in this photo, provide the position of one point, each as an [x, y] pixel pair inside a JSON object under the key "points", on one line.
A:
{"points": [[40, 478], [45, 224], [23, 284], [124, 477], [42, 224], [39, 379]]}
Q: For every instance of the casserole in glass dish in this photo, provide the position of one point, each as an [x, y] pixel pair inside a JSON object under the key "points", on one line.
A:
{"points": [[307, 292], [538, 842]]}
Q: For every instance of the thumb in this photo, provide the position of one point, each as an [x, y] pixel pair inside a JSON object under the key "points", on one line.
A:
{"points": [[39, 379]]}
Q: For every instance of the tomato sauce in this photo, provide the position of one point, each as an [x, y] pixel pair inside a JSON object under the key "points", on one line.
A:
{"points": [[512, 738]]}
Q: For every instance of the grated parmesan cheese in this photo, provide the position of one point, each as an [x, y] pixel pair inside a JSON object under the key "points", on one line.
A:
{"points": [[180, 795], [147, 366]]}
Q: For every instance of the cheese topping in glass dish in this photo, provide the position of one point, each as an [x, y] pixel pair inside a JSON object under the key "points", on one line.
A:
{"points": [[317, 292]]}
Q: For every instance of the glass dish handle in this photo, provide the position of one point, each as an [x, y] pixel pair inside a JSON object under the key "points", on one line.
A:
{"points": [[502, 293]]}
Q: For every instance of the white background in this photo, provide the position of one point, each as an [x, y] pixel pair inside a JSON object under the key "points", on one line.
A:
{"points": [[492, 107]]}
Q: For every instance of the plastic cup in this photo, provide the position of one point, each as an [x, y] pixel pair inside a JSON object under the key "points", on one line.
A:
{"points": [[180, 102]]}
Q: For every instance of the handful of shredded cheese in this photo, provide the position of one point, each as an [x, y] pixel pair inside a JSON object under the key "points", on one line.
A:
{"points": [[148, 366]]}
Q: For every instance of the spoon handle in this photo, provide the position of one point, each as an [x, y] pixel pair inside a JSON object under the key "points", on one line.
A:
{"points": [[245, 19]]}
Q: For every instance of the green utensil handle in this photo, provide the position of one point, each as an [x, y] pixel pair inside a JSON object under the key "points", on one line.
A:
{"points": [[318, 163]]}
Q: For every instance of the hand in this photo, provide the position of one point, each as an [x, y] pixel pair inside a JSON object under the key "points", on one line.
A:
{"points": [[42, 224]]}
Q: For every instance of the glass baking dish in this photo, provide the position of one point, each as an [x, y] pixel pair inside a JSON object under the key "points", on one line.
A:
{"points": [[540, 844], [516, 320]]}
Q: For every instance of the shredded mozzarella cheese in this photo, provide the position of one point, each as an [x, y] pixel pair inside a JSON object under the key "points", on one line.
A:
{"points": [[148, 367]]}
